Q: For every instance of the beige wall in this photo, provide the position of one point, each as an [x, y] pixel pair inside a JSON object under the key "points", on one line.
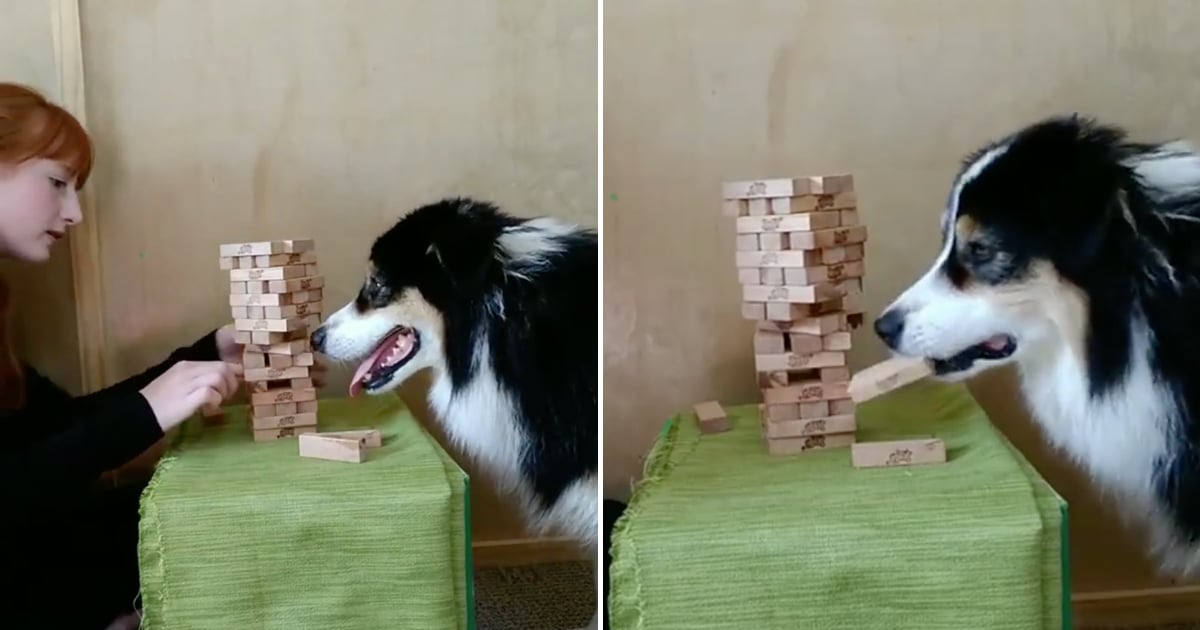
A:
{"points": [[290, 119], [697, 92], [44, 295]]}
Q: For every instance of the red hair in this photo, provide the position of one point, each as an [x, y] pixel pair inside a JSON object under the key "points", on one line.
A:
{"points": [[32, 127]]}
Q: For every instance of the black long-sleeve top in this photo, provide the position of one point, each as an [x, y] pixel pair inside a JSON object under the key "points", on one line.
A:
{"points": [[56, 446]]}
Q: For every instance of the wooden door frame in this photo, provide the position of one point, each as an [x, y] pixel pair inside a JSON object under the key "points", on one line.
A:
{"points": [[84, 241]]}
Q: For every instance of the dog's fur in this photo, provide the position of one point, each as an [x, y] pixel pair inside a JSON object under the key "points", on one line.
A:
{"points": [[505, 311], [1081, 250]]}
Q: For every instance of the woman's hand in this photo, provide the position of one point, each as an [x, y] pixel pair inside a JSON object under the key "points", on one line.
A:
{"points": [[188, 385]]}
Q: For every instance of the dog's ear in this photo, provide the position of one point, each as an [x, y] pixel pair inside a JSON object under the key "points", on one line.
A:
{"points": [[466, 262]]}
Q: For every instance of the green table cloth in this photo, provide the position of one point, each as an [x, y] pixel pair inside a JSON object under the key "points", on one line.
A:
{"points": [[249, 535], [719, 534]]}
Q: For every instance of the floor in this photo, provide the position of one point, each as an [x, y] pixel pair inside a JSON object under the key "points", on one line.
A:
{"points": [[551, 596]]}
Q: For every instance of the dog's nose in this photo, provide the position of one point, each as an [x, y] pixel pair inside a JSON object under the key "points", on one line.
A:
{"points": [[318, 339], [890, 326]]}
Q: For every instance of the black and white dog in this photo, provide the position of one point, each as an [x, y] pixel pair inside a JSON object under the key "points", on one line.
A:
{"points": [[503, 311], [1075, 254]]}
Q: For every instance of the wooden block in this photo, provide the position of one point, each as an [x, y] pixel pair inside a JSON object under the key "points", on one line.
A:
{"points": [[748, 275], [779, 413], [804, 444], [770, 277], [767, 342], [298, 346], [791, 361], [256, 287], [808, 324], [837, 341], [253, 312], [272, 374], [835, 375], [835, 272], [237, 288], [735, 208], [269, 273], [814, 409], [747, 243], [369, 438], [752, 310], [803, 344], [279, 396], [815, 204], [886, 376], [311, 321], [788, 223], [711, 417], [758, 207], [803, 392], [262, 410], [227, 262], [787, 187], [286, 409], [300, 383], [898, 453], [289, 420], [810, 294], [308, 406], [239, 312], [773, 379], [841, 407], [266, 435], [269, 325], [792, 311], [268, 299], [284, 260], [280, 361], [847, 218], [324, 446], [258, 248], [773, 241], [296, 284], [253, 360], [795, 258], [242, 336], [820, 239], [244, 262], [826, 425]]}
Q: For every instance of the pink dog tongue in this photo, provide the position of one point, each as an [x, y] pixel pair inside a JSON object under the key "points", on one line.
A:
{"points": [[364, 367], [996, 343]]}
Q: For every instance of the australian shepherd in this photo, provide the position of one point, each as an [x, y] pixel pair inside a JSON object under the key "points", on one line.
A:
{"points": [[502, 311], [1074, 253]]}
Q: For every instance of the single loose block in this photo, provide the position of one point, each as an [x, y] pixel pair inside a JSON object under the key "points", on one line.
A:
{"points": [[807, 294], [898, 453], [291, 324], [886, 376], [806, 443], [793, 361], [289, 420], [323, 446], [273, 374], [369, 438], [267, 435], [258, 248], [269, 273], [711, 417], [812, 426], [804, 392]]}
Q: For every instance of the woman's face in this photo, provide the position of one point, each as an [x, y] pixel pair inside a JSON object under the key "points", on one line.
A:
{"points": [[37, 203]]}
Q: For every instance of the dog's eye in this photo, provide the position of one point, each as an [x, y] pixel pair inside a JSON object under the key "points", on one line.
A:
{"points": [[979, 252]]}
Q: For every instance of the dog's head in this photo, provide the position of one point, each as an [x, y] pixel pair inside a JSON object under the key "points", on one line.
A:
{"points": [[422, 274], [1025, 235]]}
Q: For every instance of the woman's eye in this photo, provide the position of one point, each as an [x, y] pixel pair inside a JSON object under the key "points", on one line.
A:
{"points": [[58, 183]]}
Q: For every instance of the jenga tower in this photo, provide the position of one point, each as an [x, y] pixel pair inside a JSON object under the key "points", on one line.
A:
{"points": [[275, 299], [800, 264]]}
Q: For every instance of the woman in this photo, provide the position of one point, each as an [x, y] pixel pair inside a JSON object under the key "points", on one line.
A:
{"points": [[69, 555]]}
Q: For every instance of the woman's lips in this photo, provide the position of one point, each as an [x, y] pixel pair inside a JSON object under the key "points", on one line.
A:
{"points": [[56, 235]]}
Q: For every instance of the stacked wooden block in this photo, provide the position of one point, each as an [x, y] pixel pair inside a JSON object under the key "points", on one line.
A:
{"points": [[275, 299], [800, 260]]}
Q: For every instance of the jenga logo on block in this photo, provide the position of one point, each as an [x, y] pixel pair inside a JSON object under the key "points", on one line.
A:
{"points": [[244, 249], [889, 382], [255, 274], [840, 236], [814, 426], [777, 293], [770, 258], [810, 392], [824, 202], [274, 373], [814, 441], [756, 188], [770, 224], [837, 271], [900, 456], [302, 309], [287, 421], [287, 431], [260, 324], [797, 360], [284, 397], [306, 284]]}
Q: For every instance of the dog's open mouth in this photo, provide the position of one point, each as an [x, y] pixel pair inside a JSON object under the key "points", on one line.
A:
{"points": [[396, 349], [993, 349]]}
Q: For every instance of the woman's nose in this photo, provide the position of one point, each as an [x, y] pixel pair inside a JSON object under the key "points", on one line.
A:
{"points": [[71, 212]]}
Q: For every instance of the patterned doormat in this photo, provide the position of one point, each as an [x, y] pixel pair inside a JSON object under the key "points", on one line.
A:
{"points": [[551, 596]]}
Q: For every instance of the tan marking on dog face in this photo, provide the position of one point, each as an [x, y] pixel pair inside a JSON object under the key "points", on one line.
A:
{"points": [[1041, 293], [965, 227]]}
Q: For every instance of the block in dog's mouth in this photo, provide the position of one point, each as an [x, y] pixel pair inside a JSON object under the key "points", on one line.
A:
{"points": [[995, 348], [396, 349]]}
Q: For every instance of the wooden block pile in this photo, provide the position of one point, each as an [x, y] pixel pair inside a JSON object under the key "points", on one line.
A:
{"points": [[878, 380], [800, 261], [275, 299]]}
